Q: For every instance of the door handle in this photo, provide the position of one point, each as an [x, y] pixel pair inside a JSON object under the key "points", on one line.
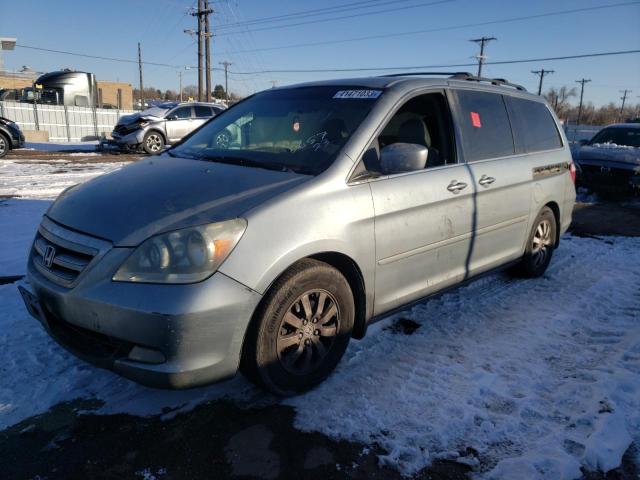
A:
{"points": [[485, 180], [455, 186]]}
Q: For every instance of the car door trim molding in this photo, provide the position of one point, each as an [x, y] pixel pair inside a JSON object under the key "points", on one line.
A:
{"points": [[449, 241], [550, 170]]}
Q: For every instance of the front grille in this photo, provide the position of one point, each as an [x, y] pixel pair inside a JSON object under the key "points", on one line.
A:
{"points": [[607, 175], [59, 256]]}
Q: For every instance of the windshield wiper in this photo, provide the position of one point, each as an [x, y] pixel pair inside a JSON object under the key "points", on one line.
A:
{"points": [[245, 162]]}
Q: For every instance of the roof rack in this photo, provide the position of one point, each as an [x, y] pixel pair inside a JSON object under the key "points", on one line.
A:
{"points": [[461, 76], [493, 81], [417, 74]]}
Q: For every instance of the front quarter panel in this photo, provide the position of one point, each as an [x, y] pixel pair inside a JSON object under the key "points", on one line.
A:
{"points": [[323, 215]]}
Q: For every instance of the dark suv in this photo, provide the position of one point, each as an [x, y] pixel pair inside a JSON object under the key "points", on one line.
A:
{"points": [[10, 136]]}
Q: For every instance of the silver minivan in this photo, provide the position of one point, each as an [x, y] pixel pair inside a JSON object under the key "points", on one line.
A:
{"points": [[279, 230]]}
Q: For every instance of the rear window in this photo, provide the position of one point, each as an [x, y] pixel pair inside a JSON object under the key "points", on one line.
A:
{"points": [[533, 126], [202, 111], [486, 132]]}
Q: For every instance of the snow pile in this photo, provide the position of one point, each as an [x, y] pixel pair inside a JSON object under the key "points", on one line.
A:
{"points": [[60, 147], [37, 179], [610, 145], [519, 378]]}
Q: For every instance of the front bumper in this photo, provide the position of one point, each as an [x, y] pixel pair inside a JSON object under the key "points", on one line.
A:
{"points": [[164, 336], [129, 141], [609, 179]]}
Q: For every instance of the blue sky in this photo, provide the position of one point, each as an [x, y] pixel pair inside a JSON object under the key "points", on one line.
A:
{"points": [[112, 28]]}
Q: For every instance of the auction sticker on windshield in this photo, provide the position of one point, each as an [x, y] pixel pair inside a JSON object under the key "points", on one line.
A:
{"points": [[365, 94]]}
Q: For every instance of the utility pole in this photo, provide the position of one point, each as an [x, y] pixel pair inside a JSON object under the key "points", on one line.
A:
{"points": [[226, 64], [581, 82], [481, 57], [198, 34], [203, 36], [180, 75], [541, 73], [624, 93], [140, 71], [207, 47], [273, 83]]}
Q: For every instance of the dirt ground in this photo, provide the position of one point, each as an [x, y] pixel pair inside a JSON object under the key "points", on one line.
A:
{"points": [[221, 439]]}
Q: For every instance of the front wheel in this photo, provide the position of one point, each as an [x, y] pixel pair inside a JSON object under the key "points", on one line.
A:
{"points": [[302, 330], [540, 245], [4, 145], [152, 142]]}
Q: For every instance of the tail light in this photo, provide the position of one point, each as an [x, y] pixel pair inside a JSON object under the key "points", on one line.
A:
{"points": [[572, 171]]}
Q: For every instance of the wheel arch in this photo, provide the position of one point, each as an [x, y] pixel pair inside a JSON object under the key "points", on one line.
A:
{"points": [[556, 213]]}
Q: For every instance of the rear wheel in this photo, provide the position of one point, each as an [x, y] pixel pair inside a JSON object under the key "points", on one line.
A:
{"points": [[540, 245], [4, 145], [153, 142], [301, 331]]}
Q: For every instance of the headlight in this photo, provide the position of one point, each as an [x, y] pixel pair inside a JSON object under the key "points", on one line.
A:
{"points": [[183, 256]]}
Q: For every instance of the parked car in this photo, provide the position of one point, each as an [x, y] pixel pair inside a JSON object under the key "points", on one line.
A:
{"points": [[10, 94], [323, 207], [10, 136], [163, 124], [609, 163]]}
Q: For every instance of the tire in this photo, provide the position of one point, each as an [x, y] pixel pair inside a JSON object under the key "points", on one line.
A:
{"points": [[293, 344], [153, 142], [5, 145], [540, 245]]}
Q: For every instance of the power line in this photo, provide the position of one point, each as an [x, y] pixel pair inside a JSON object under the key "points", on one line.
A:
{"points": [[541, 73], [343, 17], [414, 67], [311, 13], [442, 29]]}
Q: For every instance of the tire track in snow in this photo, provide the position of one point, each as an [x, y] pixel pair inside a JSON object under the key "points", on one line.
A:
{"points": [[525, 372]]}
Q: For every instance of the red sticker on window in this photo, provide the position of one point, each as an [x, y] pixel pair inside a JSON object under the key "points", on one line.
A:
{"points": [[475, 120]]}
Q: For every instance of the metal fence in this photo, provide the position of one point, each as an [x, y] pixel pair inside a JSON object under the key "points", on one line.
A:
{"points": [[64, 124]]}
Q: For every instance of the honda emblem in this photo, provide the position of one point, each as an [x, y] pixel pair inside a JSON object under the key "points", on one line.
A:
{"points": [[48, 256]]}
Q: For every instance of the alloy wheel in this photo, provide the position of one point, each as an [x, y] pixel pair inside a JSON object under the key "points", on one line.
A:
{"points": [[154, 142], [3, 146], [541, 243], [307, 331]]}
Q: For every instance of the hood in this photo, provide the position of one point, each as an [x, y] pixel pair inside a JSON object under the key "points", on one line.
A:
{"points": [[162, 194], [607, 153], [127, 119]]}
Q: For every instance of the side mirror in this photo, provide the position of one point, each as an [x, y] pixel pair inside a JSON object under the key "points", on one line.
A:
{"points": [[403, 157], [172, 117]]}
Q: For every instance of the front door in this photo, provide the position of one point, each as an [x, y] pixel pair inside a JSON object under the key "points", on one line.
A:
{"points": [[179, 123], [423, 218]]}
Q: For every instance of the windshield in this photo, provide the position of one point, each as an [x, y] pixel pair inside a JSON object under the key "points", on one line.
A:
{"points": [[628, 137], [158, 111], [297, 129]]}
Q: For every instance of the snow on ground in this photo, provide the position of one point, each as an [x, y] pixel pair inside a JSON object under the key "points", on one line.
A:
{"points": [[57, 147], [518, 378], [46, 179], [537, 376]]}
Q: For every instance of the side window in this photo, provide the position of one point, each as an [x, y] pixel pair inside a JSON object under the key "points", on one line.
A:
{"points": [[182, 112], [486, 132], [423, 120], [202, 111], [533, 126]]}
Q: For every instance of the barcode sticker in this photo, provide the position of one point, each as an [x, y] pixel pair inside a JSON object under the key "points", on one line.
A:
{"points": [[362, 94]]}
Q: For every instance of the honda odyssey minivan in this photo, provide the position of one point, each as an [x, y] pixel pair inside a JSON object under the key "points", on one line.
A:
{"points": [[285, 225]]}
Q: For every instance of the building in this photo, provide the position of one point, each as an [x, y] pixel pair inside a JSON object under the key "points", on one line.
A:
{"points": [[111, 94]]}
